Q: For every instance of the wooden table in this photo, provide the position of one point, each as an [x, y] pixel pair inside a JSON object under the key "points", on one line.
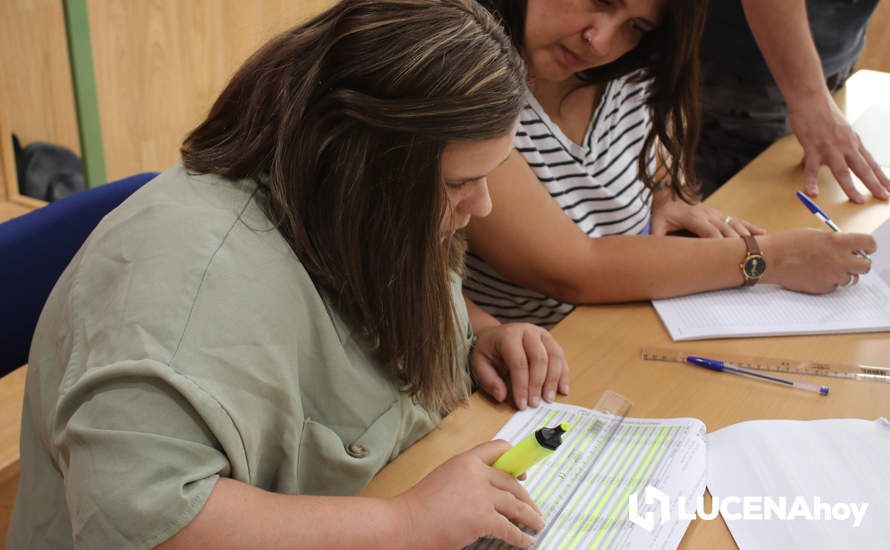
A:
{"points": [[603, 343], [9, 210], [12, 387]]}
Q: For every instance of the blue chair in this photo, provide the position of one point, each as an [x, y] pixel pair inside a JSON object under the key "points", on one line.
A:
{"points": [[36, 248]]}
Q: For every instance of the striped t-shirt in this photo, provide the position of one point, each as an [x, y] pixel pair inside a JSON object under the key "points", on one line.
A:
{"points": [[596, 184]]}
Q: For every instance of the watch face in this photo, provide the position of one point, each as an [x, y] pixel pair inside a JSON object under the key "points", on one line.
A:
{"points": [[755, 265]]}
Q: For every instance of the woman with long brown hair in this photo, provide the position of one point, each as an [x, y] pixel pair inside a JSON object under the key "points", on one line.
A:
{"points": [[602, 174], [251, 336]]}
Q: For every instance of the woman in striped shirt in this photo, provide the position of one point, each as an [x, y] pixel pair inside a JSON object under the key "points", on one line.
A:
{"points": [[601, 173]]}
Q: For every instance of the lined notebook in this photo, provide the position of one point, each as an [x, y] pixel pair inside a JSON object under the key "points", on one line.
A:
{"points": [[584, 488], [769, 310]]}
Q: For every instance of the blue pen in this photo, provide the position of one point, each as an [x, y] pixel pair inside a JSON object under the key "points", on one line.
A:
{"points": [[721, 366], [825, 219]]}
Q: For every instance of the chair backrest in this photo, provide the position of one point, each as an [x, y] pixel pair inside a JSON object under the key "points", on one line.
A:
{"points": [[34, 251]]}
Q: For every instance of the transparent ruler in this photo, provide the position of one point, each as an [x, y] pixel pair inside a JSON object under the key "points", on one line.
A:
{"points": [[775, 364]]}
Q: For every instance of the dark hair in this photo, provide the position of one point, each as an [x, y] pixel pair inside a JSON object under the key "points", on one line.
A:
{"points": [[669, 56], [346, 117]]}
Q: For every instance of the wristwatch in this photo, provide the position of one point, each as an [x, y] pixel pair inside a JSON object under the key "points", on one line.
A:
{"points": [[754, 263]]}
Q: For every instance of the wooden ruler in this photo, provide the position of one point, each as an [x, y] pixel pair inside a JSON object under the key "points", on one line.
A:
{"points": [[775, 364]]}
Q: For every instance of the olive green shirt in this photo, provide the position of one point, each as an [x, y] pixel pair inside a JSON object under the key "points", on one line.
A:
{"points": [[185, 342]]}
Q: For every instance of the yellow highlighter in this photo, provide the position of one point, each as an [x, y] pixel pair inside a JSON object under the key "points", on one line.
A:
{"points": [[531, 450]]}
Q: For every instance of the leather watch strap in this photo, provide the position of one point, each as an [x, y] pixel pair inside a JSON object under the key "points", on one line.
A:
{"points": [[753, 248], [751, 243]]}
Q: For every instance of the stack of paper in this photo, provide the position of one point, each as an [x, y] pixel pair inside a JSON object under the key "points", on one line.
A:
{"points": [[769, 310], [585, 488], [872, 128], [803, 484]]}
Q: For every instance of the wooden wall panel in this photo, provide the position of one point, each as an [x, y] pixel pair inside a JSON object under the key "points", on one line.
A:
{"points": [[160, 64], [876, 55], [36, 97]]}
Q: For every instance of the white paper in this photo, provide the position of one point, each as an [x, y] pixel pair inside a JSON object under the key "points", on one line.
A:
{"points": [[769, 310], [839, 462], [872, 127], [583, 489]]}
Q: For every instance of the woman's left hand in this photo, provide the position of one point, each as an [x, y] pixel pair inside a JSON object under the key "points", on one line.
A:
{"points": [[671, 214], [525, 354]]}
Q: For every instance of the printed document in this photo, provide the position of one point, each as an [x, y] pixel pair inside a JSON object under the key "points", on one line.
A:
{"points": [[584, 488]]}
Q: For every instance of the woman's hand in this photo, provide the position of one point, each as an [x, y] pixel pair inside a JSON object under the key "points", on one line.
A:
{"points": [[526, 354], [465, 499], [670, 214], [816, 262]]}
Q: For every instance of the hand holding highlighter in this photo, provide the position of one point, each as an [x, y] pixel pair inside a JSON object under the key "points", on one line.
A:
{"points": [[531, 450]]}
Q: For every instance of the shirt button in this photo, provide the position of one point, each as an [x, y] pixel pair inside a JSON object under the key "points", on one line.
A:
{"points": [[357, 450]]}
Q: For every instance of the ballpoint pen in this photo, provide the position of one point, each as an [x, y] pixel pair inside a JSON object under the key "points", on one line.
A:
{"points": [[812, 207], [722, 366]]}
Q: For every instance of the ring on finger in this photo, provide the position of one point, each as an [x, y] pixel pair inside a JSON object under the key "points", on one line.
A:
{"points": [[727, 219], [850, 280]]}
